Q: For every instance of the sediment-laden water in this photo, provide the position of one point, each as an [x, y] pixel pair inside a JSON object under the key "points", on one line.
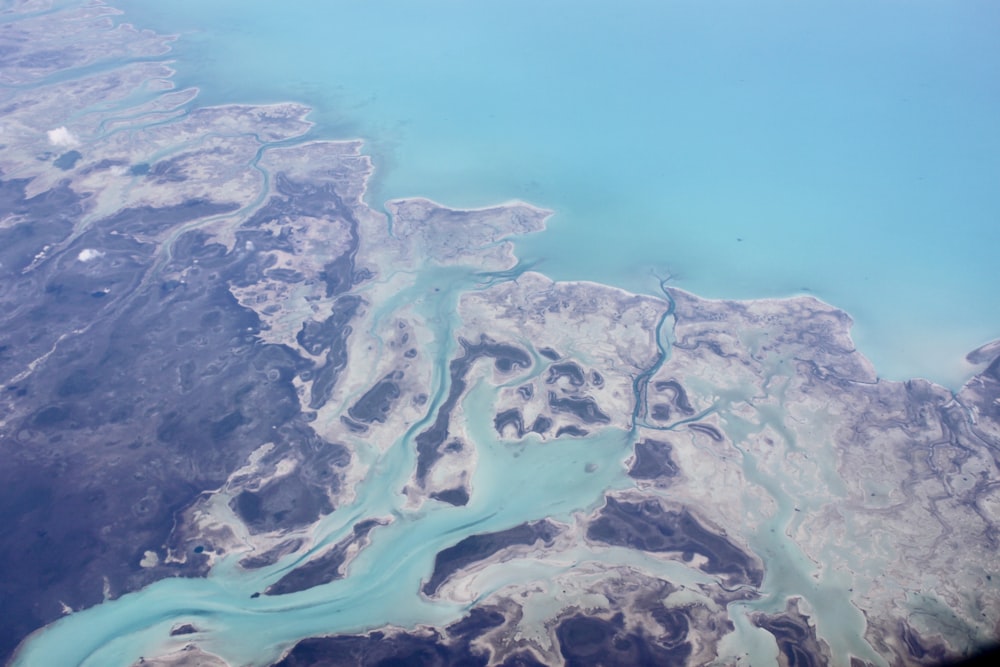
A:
{"points": [[748, 150], [754, 152]]}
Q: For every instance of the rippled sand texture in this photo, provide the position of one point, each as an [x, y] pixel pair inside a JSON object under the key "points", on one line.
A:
{"points": [[248, 419]]}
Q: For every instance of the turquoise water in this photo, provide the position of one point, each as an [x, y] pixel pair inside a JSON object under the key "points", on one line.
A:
{"points": [[514, 482], [749, 149]]}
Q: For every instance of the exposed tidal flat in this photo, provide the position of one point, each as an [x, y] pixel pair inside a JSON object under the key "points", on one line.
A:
{"points": [[747, 150], [338, 434]]}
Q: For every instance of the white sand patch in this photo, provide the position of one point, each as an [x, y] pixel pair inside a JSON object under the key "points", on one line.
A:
{"points": [[149, 559], [188, 656], [89, 254], [62, 138]]}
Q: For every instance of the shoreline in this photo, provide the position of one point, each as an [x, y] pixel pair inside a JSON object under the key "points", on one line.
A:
{"points": [[950, 369], [883, 335], [748, 423]]}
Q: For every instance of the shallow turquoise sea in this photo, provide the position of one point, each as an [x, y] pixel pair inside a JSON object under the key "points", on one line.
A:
{"points": [[746, 149]]}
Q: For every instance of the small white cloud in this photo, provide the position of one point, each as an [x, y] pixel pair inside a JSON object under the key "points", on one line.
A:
{"points": [[62, 138], [88, 254]]}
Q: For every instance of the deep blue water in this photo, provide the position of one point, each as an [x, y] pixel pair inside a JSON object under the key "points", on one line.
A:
{"points": [[749, 149]]}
